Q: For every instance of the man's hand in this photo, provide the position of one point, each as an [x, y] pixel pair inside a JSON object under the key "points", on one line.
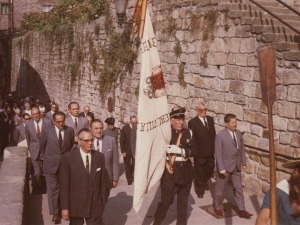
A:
{"points": [[223, 172], [124, 154], [244, 168], [115, 184], [65, 214], [173, 149]]}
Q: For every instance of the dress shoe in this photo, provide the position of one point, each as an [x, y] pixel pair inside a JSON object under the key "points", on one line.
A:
{"points": [[56, 219], [206, 188], [245, 214], [218, 212]]}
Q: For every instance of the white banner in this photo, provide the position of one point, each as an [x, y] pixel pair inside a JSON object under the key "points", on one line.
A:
{"points": [[154, 129]]}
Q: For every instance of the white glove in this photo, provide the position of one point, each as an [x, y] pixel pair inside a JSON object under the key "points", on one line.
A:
{"points": [[173, 149]]}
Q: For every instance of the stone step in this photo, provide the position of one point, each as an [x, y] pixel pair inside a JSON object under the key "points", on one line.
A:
{"points": [[261, 14], [235, 6], [266, 21], [259, 29], [264, 3], [270, 37], [287, 46]]}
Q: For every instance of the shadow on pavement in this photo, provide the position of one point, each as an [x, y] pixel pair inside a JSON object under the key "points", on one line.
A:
{"points": [[256, 204], [117, 208]]}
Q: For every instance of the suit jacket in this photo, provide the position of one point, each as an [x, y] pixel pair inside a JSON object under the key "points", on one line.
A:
{"points": [[4, 126], [89, 114], [228, 156], [49, 116], [19, 133], [50, 151], [205, 138], [125, 140], [111, 154], [81, 194], [32, 138], [183, 170], [16, 120], [133, 139], [81, 123]]}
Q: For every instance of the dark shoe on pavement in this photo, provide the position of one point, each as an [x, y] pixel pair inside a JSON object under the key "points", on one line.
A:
{"points": [[218, 212], [200, 196], [56, 219], [245, 214], [206, 188]]}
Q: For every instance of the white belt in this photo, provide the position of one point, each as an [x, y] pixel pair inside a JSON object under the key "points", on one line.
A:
{"points": [[179, 158]]}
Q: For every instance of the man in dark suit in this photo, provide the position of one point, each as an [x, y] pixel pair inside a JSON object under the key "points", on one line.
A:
{"points": [[111, 130], [74, 121], [178, 174], [5, 121], [33, 131], [204, 133], [230, 157], [54, 142], [86, 112], [84, 183], [108, 146], [126, 150], [49, 115], [19, 133]]}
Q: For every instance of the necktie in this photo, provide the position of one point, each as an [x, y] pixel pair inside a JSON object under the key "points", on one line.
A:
{"points": [[75, 122], [234, 139], [60, 140], [206, 125], [38, 129], [98, 148], [87, 165]]}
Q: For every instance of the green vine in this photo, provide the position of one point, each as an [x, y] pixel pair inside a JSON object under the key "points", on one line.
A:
{"points": [[177, 48], [181, 75], [120, 55]]}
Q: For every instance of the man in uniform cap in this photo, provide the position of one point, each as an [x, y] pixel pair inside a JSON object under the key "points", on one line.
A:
{"points": [[111, 130], [178, 175]]}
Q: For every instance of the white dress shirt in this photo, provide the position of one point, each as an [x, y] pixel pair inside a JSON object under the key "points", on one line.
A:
{"points": [[99, 148], [233, 134], [40, 122], [27, 111], [203, 119], [73, 118], [57, 132], [83, 156]]}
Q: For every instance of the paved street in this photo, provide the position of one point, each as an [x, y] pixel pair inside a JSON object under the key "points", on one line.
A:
{"points": [[119, 208]]}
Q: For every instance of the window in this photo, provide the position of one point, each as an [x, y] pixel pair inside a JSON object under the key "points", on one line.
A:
{"points": [[4, 8], [47, 8]]}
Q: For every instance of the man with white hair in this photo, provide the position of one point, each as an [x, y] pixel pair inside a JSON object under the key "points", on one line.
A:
{"points": [[27, 108], [86, 112]]}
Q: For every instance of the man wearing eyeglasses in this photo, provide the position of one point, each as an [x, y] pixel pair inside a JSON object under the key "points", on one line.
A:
{"points": [[19, 133], [84, 183], [108, 146], [204, 132], [49, 115], [54, 143]]}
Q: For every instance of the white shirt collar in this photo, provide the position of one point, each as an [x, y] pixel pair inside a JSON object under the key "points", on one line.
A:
{"points": [[83, 156]]}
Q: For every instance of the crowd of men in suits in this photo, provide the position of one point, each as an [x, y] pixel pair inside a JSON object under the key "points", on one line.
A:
{"points": [[80, 159]]}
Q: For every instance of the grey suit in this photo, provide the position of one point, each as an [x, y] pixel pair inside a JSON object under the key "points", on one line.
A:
{"points": [[229, 157], [111, 154], [49, 116], [52, 154], [33, 142], [19, 133], [82, 123]]}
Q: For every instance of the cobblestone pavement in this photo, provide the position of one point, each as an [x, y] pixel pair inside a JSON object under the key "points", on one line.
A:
{"points": [[119, 208]]}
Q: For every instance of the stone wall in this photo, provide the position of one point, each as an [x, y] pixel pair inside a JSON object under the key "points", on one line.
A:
{"points": [[228, 84], [12, 185]]}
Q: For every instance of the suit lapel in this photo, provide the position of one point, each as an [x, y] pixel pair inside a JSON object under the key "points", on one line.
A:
{"points": [[93, 168], [229, 136], [201, 125], [78, 161], [104, 144]]}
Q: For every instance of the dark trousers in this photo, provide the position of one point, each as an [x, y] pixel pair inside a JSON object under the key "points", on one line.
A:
{"points": [[129, 168], [37, 167], [53, 193], [3, 141], [88, 221], [168, 190], [203, 170]]}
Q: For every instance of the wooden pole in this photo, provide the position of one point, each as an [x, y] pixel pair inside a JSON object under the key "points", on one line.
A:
{"points": [[267, 71]]}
